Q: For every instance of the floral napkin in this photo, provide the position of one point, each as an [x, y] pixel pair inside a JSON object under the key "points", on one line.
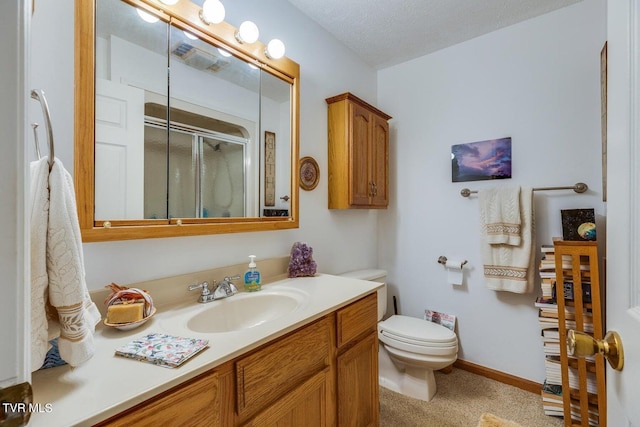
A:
{"points": [[162, 349]]}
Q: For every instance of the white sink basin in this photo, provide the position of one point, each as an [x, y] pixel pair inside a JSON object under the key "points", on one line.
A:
{"points": [[246, 310]]}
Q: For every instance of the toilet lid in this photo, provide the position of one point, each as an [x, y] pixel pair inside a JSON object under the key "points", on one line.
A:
{"points": [[417, 331]]}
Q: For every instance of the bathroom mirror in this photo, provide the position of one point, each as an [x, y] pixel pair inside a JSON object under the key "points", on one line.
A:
{"points": [[180, 128]]}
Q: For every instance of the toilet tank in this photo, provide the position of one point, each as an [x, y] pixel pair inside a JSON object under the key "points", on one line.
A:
{"points": [[373, 275]]}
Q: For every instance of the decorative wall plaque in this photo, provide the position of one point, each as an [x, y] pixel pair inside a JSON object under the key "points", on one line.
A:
{"points": [[269, 168], [309, 173]]}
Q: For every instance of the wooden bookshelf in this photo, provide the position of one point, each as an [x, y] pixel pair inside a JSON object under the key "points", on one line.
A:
{"points": [[579, 405]]}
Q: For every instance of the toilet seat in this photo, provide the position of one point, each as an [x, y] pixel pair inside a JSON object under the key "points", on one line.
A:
{"points": [[417, 336]]}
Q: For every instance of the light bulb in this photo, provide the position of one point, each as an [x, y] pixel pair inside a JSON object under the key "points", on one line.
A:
{"points": [[190, 36], [275, 49], [212, 12], [247, 33], [147, 17]]}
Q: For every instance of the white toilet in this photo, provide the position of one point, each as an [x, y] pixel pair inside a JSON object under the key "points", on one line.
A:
{"points": [[410, 348]]}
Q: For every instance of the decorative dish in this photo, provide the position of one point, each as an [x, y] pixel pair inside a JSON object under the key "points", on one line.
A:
{"points": [[127, 308]]}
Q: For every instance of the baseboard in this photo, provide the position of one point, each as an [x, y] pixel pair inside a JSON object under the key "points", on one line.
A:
{"points": [[502, 377]]}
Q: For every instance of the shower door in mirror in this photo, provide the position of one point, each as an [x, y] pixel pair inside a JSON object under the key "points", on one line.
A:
{"points": [[130, 62]]}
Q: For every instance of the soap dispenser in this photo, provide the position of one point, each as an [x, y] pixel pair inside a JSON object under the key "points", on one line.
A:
{"points": [[252, 280]]}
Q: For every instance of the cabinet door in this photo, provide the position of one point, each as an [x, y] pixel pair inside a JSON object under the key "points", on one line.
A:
{"points": [[379, 162], [360, 185], [358, 384], [304, 406]]}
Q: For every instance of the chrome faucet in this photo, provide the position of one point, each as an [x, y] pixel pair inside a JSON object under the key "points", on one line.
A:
{"points": [[221, 289], [205, 295], [225, 288]]}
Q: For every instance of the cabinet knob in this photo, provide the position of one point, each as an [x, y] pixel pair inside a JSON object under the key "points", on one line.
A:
{"points": [[581, 344]]}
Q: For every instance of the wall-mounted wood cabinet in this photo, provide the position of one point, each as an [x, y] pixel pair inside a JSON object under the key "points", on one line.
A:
{"points": [[358, 154]]}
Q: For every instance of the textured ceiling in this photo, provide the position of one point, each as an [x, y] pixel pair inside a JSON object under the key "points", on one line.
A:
{"points": [[387, 32]]}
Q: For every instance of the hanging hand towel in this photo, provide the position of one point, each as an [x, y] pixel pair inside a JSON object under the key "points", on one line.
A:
{"points": [[500, 213], [68, 294], [507, 267], [38, 222]]}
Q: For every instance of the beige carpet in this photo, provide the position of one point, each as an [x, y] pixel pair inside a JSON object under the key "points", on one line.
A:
{"points": [[461, 400]]}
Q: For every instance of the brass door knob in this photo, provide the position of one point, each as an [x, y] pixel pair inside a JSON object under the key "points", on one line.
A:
{"points": [[580, 344]]}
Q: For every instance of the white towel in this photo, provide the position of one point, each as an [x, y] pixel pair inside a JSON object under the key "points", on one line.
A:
{"points": [[68, 294], [60, 302], [39, 220], [500, 213], [508, 267]]}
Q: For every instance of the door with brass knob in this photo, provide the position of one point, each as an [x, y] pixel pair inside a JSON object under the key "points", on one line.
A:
{"points": [[623, 205], [580, 344]]}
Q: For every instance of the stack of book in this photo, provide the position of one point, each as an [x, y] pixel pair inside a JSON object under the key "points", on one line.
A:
{"points": [[549, 331], [547, 270], [552, 399], [553, 404]]}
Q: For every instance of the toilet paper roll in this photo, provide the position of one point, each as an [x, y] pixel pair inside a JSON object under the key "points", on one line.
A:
{"points": [[454, 264], [455, 273]]}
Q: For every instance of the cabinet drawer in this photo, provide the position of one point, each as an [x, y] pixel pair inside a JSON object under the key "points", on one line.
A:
{"points": [[276, 369], [357, 318], [194, 403]]}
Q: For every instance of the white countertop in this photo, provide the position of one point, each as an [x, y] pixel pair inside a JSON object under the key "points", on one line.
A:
{"points": [[107, 384]]}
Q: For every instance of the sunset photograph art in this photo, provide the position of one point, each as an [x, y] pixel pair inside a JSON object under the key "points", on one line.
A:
{"points": [[475, 161]]}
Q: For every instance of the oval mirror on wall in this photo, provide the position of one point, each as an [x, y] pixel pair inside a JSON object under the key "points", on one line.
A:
{"points": [[191, 132]]}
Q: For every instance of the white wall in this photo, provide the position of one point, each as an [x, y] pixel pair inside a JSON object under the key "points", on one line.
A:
{"points": [[14, 259], [537, 82], [341, 240]]}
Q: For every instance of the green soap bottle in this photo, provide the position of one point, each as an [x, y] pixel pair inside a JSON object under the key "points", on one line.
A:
{"points": [[252, 280]]}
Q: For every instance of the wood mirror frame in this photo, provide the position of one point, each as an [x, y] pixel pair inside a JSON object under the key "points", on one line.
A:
{"points": [[183, 15]]}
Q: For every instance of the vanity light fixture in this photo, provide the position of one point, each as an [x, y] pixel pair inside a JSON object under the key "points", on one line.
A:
{"points": [[224, 53], [275, 49], [147, 17], [247, 33], [170, 2], [212, 12]]}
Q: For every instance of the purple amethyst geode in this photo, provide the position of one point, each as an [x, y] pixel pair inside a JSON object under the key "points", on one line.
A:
{"points": [[301, 263]]}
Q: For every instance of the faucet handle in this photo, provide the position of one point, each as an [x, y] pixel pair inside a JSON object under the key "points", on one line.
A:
{"points": [[204, 286], [228, 279]]}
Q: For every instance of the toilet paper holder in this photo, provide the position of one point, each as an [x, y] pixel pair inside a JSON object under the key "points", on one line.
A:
{"points": [[443, 260]]}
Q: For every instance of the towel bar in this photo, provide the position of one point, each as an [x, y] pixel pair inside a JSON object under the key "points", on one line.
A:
{"points": [[579, 187]]}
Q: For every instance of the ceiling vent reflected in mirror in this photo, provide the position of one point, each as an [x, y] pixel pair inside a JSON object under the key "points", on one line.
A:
{"points": [[198, 58]]}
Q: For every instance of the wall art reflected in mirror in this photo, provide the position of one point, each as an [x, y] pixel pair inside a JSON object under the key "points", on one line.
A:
{"points": [[175, 116]]}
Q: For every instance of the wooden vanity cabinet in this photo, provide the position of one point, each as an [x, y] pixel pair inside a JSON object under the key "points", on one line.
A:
{"points": [[322, 374], [358, 154]]}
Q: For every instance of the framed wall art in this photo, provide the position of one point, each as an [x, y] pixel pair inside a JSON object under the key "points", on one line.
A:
{"points": [[475, 161], [269, 168], [603, 119]]}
